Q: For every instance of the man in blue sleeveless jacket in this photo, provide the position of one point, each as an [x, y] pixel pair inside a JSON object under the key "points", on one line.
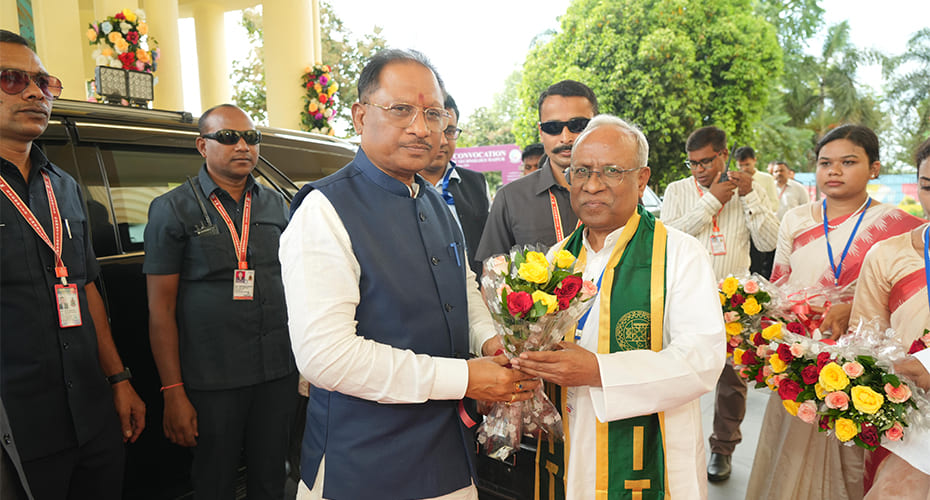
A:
{"points": [[383, 309]]}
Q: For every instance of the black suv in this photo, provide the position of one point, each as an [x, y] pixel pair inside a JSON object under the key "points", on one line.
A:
{"points": [[123, 158]]}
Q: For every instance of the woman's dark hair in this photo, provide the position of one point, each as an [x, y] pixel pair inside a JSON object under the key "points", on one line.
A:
{"points": [[859, 135], [921, 155]]}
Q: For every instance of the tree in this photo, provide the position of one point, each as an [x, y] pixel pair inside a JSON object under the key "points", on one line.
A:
{"points": [[493, 125], [908, 94], [345, 55], [668, 65]]}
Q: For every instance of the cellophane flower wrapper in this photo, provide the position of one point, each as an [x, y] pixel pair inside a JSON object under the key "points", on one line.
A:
{"points": [[848, 389], [805, 306], [745, 319], [536, 329]]}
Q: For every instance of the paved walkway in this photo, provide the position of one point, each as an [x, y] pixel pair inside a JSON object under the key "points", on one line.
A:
{"points": [[735, 487]]}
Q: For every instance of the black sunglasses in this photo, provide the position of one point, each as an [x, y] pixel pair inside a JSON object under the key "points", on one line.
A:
{"points": [[14, 81], [575, 126], [230, 137]]}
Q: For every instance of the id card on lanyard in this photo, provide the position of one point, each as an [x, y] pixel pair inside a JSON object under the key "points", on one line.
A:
{"points": [[718, 244], [66, 294], [243, 277]]}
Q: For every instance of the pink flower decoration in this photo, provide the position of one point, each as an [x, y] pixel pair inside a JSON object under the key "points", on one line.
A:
{"points": [[730, 316], [807, 411], [767, 371], [853, 369], [898, 394], [838, 400], [588, 290], [736, 340], [797, 350], [895, 433], [751, 287]]}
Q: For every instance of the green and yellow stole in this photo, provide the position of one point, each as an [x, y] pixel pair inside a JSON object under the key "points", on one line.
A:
{"points": [[630, 452]]}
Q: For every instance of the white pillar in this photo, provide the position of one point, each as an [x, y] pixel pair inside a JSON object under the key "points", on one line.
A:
{"points": [[162, 19], [211, 54], [58, 38], [9, 17], [106, 8], [288, 52]]}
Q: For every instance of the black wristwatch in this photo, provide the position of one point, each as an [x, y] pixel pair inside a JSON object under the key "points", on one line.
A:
{"points": [[119, 377]]}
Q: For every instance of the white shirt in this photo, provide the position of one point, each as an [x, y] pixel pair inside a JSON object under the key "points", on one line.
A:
{"points": [[767, 183], [321, 280], [691, 208], [793, 194], [456, 177], [643, 382]]}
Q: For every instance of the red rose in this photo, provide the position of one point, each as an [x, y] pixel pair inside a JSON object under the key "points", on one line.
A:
{"points": [[132, 37], [569, 287], [729, 348], [564, 303], [760, 378], [823, 359], [869, 435], [810, 374], [824, 422], [322, 98], [795, 327], [120, 15], [519, 303], [789, 389], [758, 339], [917, 346], [737, 300], [784, 353], [127, 58], [749, 358]]}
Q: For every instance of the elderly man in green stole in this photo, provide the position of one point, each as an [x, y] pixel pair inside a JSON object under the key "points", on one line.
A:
{"points": [[653, 342]]}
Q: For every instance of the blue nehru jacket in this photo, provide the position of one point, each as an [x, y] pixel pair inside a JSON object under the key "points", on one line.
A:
{"points": [[412, 296]]}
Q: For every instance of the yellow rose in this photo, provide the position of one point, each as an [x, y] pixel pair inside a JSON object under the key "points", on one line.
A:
{"points": [[114, 36], [317, 87], [818, 389], [333, 87], [734, 328], [143, 55], [729, 286], [121, 45], [738, 356], [537, 258], [751, 307], [845, 429], [534, 273], [143, 29], [778, 365], [833, 378], [791, 406], [772, 332], [91, 34], [564, 259], [550, 301], [866, 400], [107, 51], [313, 106], [723, 299], [130, 15]]}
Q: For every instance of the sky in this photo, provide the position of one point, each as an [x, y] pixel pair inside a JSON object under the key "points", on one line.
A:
{"points": [[477, 44]]}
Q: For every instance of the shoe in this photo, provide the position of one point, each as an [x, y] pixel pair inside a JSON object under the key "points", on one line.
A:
{"points": [[719, 467]]}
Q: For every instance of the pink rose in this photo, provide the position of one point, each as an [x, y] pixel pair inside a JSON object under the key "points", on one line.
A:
{"points": [[767, 371], [751, 287], [730, 316], [853, 369], [497, 264], [895, 433], [807, 411], [898, 394], [736, 340], [838, 400], [797, 350], [588, 290]]}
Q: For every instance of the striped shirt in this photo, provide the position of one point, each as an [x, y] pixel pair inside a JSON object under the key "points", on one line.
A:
{"points": [[690, 207]]}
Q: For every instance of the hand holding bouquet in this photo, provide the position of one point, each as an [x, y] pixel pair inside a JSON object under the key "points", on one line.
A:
{"points": [[534, 304]]}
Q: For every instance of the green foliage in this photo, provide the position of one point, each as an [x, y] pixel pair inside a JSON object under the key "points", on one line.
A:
{"points": [[908, 93], [493, 125], [248, 74], [670, 66]]}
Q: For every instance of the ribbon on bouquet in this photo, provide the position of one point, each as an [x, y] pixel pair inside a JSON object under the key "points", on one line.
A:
{"points": [[806, 313]]}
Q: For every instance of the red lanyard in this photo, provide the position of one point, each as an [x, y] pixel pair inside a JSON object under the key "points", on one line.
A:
{"points": [[701, 195], [55, 243], [557, 218], [241, 245]]}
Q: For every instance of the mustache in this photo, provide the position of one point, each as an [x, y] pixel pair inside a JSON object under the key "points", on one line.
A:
{"points": [[564, 147], [419, 142]]}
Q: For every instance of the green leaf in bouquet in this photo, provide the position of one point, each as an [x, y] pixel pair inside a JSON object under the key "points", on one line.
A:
{"points": [[539, 310], [866, 361], [890, 378], [518, 258]]}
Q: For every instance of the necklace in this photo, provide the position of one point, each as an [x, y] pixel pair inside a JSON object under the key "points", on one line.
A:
{"points": [[832, 226]]}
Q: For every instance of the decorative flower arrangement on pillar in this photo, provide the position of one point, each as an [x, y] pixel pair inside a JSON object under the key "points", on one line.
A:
{"points": [[319, 100], [122, 41]]}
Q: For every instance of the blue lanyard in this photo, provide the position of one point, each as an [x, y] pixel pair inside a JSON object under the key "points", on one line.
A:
{"points": [[837, 270], [927, 261], [584, 318], [446, 195]]}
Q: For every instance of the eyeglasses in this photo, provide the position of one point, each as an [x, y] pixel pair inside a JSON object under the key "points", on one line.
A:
{"points": [[705, 163], [14, 81], [610, 174], [452, 133], [403, 115], [230, 137], [575, 126]]}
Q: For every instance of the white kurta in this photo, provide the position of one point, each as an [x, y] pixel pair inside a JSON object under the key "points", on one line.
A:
{"points": [[643, 382]]}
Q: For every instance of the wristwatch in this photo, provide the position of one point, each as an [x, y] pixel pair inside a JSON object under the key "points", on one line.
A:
{"points": [[119, 377]]}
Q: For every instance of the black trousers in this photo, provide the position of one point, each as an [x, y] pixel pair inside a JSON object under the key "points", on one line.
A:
{"points": [[94, 470], [257, 420]]}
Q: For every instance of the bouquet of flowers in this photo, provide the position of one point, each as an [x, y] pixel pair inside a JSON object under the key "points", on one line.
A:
{"points": [[742, 302], [848, 389], [122, 41], [534, 303], [319, 99]]}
